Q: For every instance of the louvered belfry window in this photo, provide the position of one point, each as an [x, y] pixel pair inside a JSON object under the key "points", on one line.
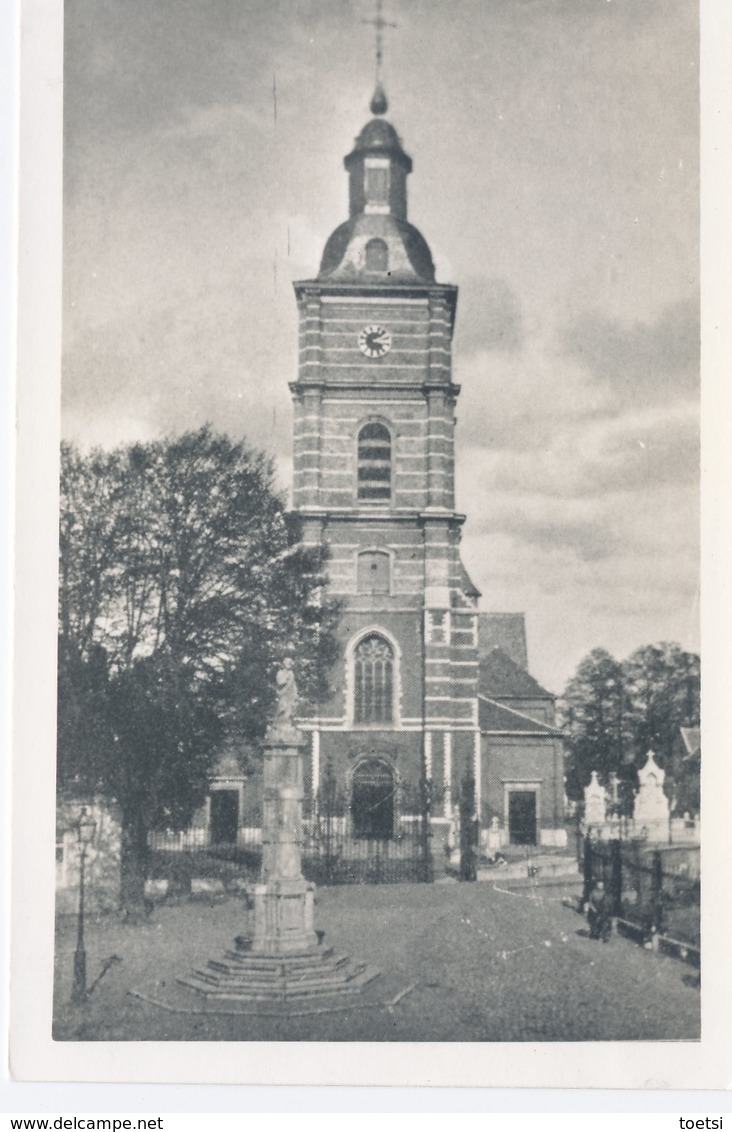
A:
{"points": [[374, 463], [374, 681]]}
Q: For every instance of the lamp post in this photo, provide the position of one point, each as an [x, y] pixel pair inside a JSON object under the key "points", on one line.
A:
{"points": [[85, 828]]}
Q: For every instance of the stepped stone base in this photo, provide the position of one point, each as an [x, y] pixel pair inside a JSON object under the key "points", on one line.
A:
{"points": [[245, 976]]}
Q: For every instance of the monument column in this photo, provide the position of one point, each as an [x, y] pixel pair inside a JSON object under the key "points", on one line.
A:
{"points": [[283, 901], [283, 959]]}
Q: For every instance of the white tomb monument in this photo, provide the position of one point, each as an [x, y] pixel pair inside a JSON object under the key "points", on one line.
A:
{"points": [[595, 802], [651, 807]]}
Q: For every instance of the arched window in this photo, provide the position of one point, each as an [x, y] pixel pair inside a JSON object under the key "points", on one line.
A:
{"points": [[373, 572], [374, 463], [373, 679], [377, 255]]}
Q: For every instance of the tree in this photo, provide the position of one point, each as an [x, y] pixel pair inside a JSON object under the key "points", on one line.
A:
{"points": [[613, 714], [662, 684], [182, 584], [662, 692], [592, 718]]}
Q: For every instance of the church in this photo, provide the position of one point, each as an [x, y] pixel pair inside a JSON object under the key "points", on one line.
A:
{"points": [[427, 686], [426, 683]]}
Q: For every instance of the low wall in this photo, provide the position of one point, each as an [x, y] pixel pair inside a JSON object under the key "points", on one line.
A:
{"points": [[101, 868], [677, 831]]}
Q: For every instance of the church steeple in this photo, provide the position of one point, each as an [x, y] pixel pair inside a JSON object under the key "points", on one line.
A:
{"points": [[373, 481], [377, 242]]}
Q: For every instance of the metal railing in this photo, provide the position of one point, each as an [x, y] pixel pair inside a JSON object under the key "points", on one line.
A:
{"points": [[642, 889]]}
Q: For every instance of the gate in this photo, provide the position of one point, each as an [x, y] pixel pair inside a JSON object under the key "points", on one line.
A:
{"points": [[372, 801], [372, 841]]}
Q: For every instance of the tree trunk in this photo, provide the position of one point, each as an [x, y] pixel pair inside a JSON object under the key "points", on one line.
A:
{"points": [[133, 863], [180, 874]]}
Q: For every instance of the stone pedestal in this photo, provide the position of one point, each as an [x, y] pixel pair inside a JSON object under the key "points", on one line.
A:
{"points": [[283, 901], [283, 918]]}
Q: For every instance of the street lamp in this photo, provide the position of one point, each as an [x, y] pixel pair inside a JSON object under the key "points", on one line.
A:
{"points": [[85, 828]]}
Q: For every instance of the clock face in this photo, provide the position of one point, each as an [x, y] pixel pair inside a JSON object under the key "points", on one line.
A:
{"points": [[374, 341]]}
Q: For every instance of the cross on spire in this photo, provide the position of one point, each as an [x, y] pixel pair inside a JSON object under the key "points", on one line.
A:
{"points": [[379, 23]]}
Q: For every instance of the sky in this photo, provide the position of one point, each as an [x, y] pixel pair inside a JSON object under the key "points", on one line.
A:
{"points": [[555, 147]]}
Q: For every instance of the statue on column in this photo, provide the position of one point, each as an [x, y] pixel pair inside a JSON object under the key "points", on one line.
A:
{"points": [[287, 699], [287, 695]]}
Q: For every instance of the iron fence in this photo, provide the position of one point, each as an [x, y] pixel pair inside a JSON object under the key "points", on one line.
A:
{"points": [[331, 855], [345, 847], [337, 849], [642, 890]]}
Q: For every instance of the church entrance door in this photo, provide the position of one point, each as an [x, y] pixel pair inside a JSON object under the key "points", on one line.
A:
{"points": [[372, 801], [224, 822], [522, 817]]}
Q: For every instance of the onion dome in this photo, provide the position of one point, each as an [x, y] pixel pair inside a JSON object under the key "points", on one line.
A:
{"points": [[377, 248], [377, 243]]}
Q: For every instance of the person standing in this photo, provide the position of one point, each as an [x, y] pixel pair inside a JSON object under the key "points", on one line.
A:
{"points": [[598, 918]]}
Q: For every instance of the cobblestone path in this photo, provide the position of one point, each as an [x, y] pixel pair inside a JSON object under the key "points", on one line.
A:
{"points": [[484, 963]]}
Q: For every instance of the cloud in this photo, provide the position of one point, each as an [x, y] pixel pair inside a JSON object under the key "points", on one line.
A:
{"points": [[136, 67], [179, 367], [597, 457], [519, 400], [585, 537], [640, 361], [489, 316], [617, 572], [618, 492]]}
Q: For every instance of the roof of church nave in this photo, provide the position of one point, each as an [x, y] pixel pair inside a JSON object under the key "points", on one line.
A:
{"points": [[465, 583], [502, 678], [692, 740], [497, 718]]}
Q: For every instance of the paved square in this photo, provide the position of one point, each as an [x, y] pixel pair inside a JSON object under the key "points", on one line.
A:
{"points": [[484, 963]]}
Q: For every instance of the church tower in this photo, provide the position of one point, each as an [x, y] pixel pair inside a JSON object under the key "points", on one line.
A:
{"points": [[374, 423]]}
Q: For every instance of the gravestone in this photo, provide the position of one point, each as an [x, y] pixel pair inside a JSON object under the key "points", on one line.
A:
{"points": [[496, 838], [595, 802], [651, 807]]}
